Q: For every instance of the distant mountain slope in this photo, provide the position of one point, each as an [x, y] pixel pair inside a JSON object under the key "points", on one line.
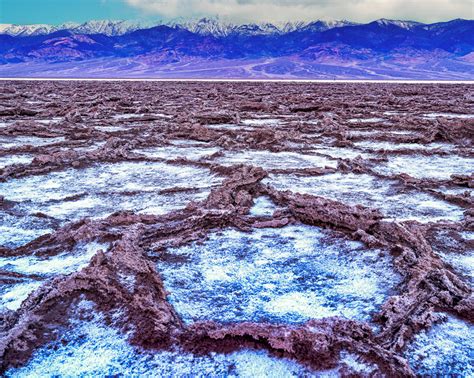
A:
{"points": [[288, 49]]}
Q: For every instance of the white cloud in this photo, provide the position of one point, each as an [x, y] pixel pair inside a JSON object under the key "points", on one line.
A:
{"points": [[284, 10]]}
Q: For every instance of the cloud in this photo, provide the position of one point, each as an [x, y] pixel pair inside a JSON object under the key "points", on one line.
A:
{"points": [[285, 10]]}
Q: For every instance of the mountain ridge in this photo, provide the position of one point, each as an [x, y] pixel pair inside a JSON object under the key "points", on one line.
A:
{"points": [[204, 26], [397, 48]]}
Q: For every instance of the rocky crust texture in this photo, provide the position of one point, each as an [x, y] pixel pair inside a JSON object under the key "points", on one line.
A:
{"points": [[114, 194]]}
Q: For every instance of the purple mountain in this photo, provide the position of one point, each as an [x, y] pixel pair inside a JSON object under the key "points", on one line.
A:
{"points": [[383, 49]]}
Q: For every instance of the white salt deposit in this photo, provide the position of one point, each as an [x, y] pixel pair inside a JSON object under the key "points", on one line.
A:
{"points": [[276, 160], [16, 141], [370, 191], [366, 120], [171, 152], [64, 263], [13, 295], [263, 207], [420, 166], [446, 350], [285, 275], [261, 122], [103, 189], [343, 152], [448, 115], [15, 159], [19, 229], [93, 348], [390, 146]]}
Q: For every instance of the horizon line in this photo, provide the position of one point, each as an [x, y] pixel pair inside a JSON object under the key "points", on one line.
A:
{"points": [[288, 81]]}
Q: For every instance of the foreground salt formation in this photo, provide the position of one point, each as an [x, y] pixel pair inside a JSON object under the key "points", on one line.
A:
{"points": [[236, 229], [287, 275]]}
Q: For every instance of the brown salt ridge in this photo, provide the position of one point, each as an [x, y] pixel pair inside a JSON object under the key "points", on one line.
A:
{"points": [[429, 285]]}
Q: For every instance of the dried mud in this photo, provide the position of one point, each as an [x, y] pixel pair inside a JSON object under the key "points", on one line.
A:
{"points": [[236, 137]]}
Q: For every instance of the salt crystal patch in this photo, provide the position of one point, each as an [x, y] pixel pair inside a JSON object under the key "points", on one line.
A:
{"points": [[15, 159], [419, 166], [106, 188], [263, 207], [16, 230], [16, 141], [12, 296], [171, 152], [64, 263], [284, 275], [261, 122], [444, 350], [369, 191], [276, 160], [390, 146], [365, 120], [94, 349], [112, 128], [448, 115], [343, 152]]}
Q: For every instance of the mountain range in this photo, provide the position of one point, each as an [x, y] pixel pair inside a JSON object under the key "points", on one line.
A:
{"points": [[212, 48]]}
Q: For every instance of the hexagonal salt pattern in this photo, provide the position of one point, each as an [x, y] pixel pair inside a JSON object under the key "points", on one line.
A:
{"points": [[287, 275], [373, 192]]}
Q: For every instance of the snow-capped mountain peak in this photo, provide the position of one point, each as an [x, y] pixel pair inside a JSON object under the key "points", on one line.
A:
{"points": [[401, 24], [26, 30], [106, 27], [212, 26]]}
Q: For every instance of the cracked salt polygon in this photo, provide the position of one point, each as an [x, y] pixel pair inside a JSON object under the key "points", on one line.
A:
{"points": [[285, 275], [16, 141], [104, 189], [276, 160], [367, 190], [93, 348], [11, 296], [420, 166], [172, 152]]}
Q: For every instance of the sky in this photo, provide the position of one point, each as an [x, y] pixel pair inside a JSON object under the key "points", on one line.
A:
{"points": [[59, 11]]}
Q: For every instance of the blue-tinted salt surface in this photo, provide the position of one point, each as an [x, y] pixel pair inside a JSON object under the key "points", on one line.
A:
{"points": [[21, 140], [276, 160], [445, 350], [101, 190], [19, 229], [15, 159], [263, 207], [462, 263], [95, 349], [373, 192], [92, 348], [287, 275], [434, 167], [12, 295]]}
